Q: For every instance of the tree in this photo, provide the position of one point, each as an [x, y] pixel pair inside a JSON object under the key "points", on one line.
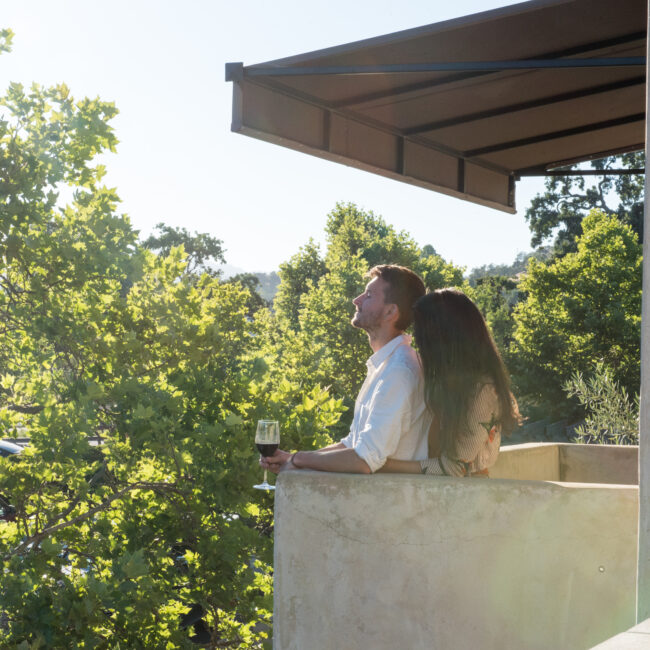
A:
{"points": [[297, 277], [578, 310], [151, 537], [204, 253], [251, 282], [496, 297], [611, 417], [568, 199]]}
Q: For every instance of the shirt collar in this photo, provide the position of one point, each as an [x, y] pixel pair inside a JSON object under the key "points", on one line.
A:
{"points": [[384, 352]]}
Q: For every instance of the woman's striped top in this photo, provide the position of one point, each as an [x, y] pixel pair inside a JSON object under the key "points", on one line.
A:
{"points": [[477, 447]]}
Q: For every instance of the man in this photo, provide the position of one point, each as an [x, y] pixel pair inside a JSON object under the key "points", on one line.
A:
{"points": [[390, 417]]}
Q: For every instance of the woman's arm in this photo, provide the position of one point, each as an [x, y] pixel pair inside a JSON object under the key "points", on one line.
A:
{"points": [[401, 466]]}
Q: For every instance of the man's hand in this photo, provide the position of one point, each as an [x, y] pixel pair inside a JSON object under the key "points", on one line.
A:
{"points": [[277, 462]]}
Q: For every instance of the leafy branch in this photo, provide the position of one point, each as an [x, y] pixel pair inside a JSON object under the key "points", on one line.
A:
{"points": [[34, 539]]}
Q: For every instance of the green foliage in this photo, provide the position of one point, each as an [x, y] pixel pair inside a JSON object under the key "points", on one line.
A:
{"points": [[611, 418], [567, 200], [297, 277], [250, 282], [352, 232], [496, 297], [581, 308], [101, 337], [203, 252], [6, 38]]}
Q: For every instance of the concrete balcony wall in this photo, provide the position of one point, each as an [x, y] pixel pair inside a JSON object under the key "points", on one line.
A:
{"points": [[531, 462], [599, 464], [408, 561], [540, 461]]}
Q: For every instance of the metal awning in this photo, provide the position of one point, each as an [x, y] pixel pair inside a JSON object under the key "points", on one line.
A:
{"points": [[465, 106]]}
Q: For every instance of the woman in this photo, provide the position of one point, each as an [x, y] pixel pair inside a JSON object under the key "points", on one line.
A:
{"points": [[466, 387]]}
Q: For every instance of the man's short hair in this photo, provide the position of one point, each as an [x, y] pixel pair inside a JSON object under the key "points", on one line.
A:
{"points": [[403, 288]]}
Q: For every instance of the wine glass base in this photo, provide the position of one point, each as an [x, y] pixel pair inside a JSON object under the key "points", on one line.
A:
{"points": [[264, 486]]}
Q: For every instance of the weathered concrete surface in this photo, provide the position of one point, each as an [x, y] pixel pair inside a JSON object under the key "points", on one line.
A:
{"points": [[599, 464], [638, 638], [535, 461], [572, 463], [403, 561]]}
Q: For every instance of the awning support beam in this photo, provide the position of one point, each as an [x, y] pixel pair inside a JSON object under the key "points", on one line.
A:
{"points": [[453, 66], [523, 106], [582, 172], [582, 49], [545, 137]]}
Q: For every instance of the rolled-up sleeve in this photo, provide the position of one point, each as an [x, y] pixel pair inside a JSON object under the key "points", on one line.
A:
{"points": [[347, 441], [388, 416]]}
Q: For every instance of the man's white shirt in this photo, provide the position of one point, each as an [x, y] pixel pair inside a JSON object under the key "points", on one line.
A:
{"points": [[390, 417]]}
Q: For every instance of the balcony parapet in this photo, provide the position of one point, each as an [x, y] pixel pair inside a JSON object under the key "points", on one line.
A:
{"points": [[409, 561]]}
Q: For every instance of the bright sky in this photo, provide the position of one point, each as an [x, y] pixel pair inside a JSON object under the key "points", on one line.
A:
{"points": [[162, 63]]}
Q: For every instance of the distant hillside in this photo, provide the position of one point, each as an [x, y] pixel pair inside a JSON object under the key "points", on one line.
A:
{"points": [[510, 270], [228, 270], [269, 283]]}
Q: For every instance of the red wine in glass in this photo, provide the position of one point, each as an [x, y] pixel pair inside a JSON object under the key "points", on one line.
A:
{"points": [[267, 440], [267, 449]]}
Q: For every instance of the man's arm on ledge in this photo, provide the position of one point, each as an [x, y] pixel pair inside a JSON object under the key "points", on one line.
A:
{"points": [[334, 458], [337, 459]]}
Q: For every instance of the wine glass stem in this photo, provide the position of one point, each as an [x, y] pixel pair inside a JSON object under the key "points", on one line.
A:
{"points": [[265, 481]]}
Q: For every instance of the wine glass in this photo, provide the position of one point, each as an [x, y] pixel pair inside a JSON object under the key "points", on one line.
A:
{"points": [[267, 439]]}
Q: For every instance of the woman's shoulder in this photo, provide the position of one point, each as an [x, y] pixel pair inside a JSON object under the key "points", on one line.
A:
{"points": [[486, 391], [485, 408]]}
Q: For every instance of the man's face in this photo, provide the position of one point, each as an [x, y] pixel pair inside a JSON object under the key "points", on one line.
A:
{"points": [[370, 306]]}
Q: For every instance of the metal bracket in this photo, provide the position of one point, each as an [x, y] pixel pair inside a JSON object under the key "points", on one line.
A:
{"points": [[235, 71]]}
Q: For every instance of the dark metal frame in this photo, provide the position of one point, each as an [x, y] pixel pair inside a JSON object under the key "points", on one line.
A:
{"points": [[626, 39], [554, 135], [583, 172], [523, 106], [453, 66]]}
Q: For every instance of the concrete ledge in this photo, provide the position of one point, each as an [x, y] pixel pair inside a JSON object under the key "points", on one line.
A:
{"points": [[599, 464], [536, 461], [572, 463], [404, 561], [638, 638]]}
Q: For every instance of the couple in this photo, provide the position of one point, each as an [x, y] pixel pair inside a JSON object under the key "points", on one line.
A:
{"points": [[442, 413]]}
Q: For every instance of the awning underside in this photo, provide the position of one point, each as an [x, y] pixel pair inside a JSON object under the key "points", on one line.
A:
{"points": [[464, 131]]}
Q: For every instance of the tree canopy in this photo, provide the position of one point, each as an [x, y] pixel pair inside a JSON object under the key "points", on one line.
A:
{"points": [[559, 211], [137, 378], [579, 309], [203, 253]]}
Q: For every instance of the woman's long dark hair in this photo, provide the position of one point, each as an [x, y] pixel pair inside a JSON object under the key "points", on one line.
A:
{"points": [[458, 357]]}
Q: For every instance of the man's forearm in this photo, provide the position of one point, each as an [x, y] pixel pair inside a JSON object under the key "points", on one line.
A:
{"points": [[332, 447], [337, 459]]}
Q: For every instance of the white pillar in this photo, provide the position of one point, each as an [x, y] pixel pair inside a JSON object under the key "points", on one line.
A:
{"points": [[643, 575]]}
